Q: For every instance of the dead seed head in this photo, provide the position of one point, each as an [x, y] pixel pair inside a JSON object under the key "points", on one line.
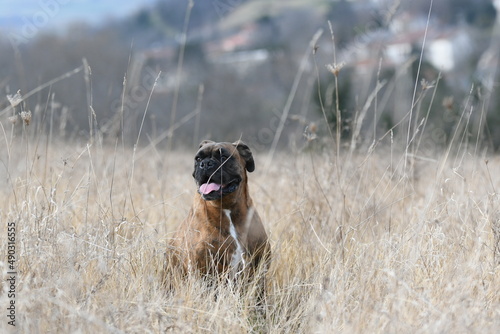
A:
{"points": [[26, 117], [13, 119], [313, 127], [15, 99], [335, 68], [310, 132], [426, 84]]}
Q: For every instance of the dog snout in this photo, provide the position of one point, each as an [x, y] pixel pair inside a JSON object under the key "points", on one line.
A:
{"points": [[207, 164]]}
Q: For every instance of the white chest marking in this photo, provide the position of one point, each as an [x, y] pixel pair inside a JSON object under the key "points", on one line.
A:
{"points": [[237, 257]]}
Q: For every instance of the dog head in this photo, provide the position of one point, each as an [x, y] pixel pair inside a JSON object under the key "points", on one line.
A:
{"points": [[220, 168]]}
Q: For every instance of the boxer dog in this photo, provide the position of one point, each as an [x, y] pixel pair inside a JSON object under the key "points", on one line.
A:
{"points": [[223, 234]]}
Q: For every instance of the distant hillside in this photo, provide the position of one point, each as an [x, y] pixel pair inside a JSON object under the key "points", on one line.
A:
{"points": [[248, 59]]}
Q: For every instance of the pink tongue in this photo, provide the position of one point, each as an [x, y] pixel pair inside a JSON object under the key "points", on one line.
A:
{"points": [[207, 188]]}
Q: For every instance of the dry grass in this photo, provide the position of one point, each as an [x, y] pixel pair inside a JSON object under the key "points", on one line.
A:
{"points": [[359, 245]]}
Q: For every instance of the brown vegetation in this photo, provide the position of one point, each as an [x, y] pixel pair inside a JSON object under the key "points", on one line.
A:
{"points": [[371, 242]]}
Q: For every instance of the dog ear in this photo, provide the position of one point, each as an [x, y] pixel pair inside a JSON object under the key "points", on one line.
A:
{"points": [[205, 142], [246, 154]]}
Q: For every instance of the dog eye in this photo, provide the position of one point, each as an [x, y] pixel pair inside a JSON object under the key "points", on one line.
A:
{"points": [[197, 159]]}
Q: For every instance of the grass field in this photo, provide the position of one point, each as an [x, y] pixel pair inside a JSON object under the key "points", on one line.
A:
{"points": [[368, 242]]}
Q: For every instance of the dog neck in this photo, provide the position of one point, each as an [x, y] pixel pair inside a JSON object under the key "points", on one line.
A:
{"points": [[218, 207]]}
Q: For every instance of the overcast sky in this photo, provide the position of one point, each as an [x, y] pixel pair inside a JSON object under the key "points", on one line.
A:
{"points": [[52, 13]]}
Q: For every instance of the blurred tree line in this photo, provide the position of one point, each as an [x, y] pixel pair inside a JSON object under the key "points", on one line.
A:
{"points": [[227, 88]]}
